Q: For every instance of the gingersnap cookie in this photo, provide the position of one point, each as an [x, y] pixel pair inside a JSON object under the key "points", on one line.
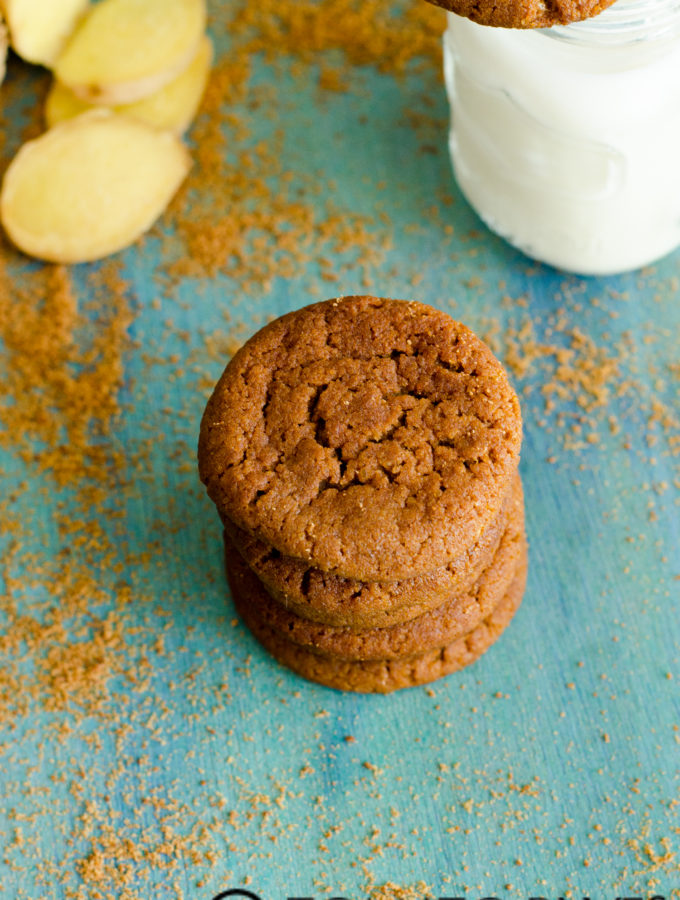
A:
{"points": [[382, 676], [524, 13], [436, 628], [344, 602], [375, 439]]}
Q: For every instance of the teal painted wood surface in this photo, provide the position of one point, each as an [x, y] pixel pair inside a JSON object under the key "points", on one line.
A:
{"points": [[179, 760]]}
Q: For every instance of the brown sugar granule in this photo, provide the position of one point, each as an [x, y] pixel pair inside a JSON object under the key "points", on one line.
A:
{"points": [[391, 891], [241, 226], [229, 217], [78, 641], [78, 673], [60, 393], [368, 33], [60, 377], [581, 371], [579, 378]]}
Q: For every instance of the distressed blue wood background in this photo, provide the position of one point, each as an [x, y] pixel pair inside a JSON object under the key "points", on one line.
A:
{"points": [[179, 760]]}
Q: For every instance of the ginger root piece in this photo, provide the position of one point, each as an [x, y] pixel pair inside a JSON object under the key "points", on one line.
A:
{"points": [[124, 50], [90, 186], [39, 28], [173, 107]]}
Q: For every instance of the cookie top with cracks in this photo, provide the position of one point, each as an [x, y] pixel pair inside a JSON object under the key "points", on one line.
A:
{"points": [[374, 438], [524, 13]]}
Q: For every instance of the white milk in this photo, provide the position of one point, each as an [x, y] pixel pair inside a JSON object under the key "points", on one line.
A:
{"points": [[567, 140]]}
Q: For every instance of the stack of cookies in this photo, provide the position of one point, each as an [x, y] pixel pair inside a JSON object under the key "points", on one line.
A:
{"points": [[362, 454]]}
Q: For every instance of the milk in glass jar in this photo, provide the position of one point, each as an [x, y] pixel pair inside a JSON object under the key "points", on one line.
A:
{"points": [[566, 140]]}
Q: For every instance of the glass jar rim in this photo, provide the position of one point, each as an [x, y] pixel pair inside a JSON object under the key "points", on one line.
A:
{"points": [[624, 22]]}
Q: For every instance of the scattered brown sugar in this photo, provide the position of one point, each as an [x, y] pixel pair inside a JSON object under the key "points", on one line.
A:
{"points": [[60, 381], [229, 217], [232, 221], [656, 858], [13, 92], [391, 891], [367, 33], [79, 641], [579, 378], [582, 371], [60, 392]]}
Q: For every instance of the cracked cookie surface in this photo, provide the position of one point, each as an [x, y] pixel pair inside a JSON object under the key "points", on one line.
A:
{"points": [[375, 439], [524, 13]]}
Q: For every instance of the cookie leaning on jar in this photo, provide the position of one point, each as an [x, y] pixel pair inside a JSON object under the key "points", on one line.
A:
{"points": [[365, 444], [524, 13]]}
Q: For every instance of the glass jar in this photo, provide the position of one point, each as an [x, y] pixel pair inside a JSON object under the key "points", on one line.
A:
{"points": [[566, 140]]}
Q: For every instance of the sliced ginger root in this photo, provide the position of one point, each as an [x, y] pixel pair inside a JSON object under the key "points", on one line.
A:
{"points": [[39, 28], [124, 50], [173, 107], [90, 187]]}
